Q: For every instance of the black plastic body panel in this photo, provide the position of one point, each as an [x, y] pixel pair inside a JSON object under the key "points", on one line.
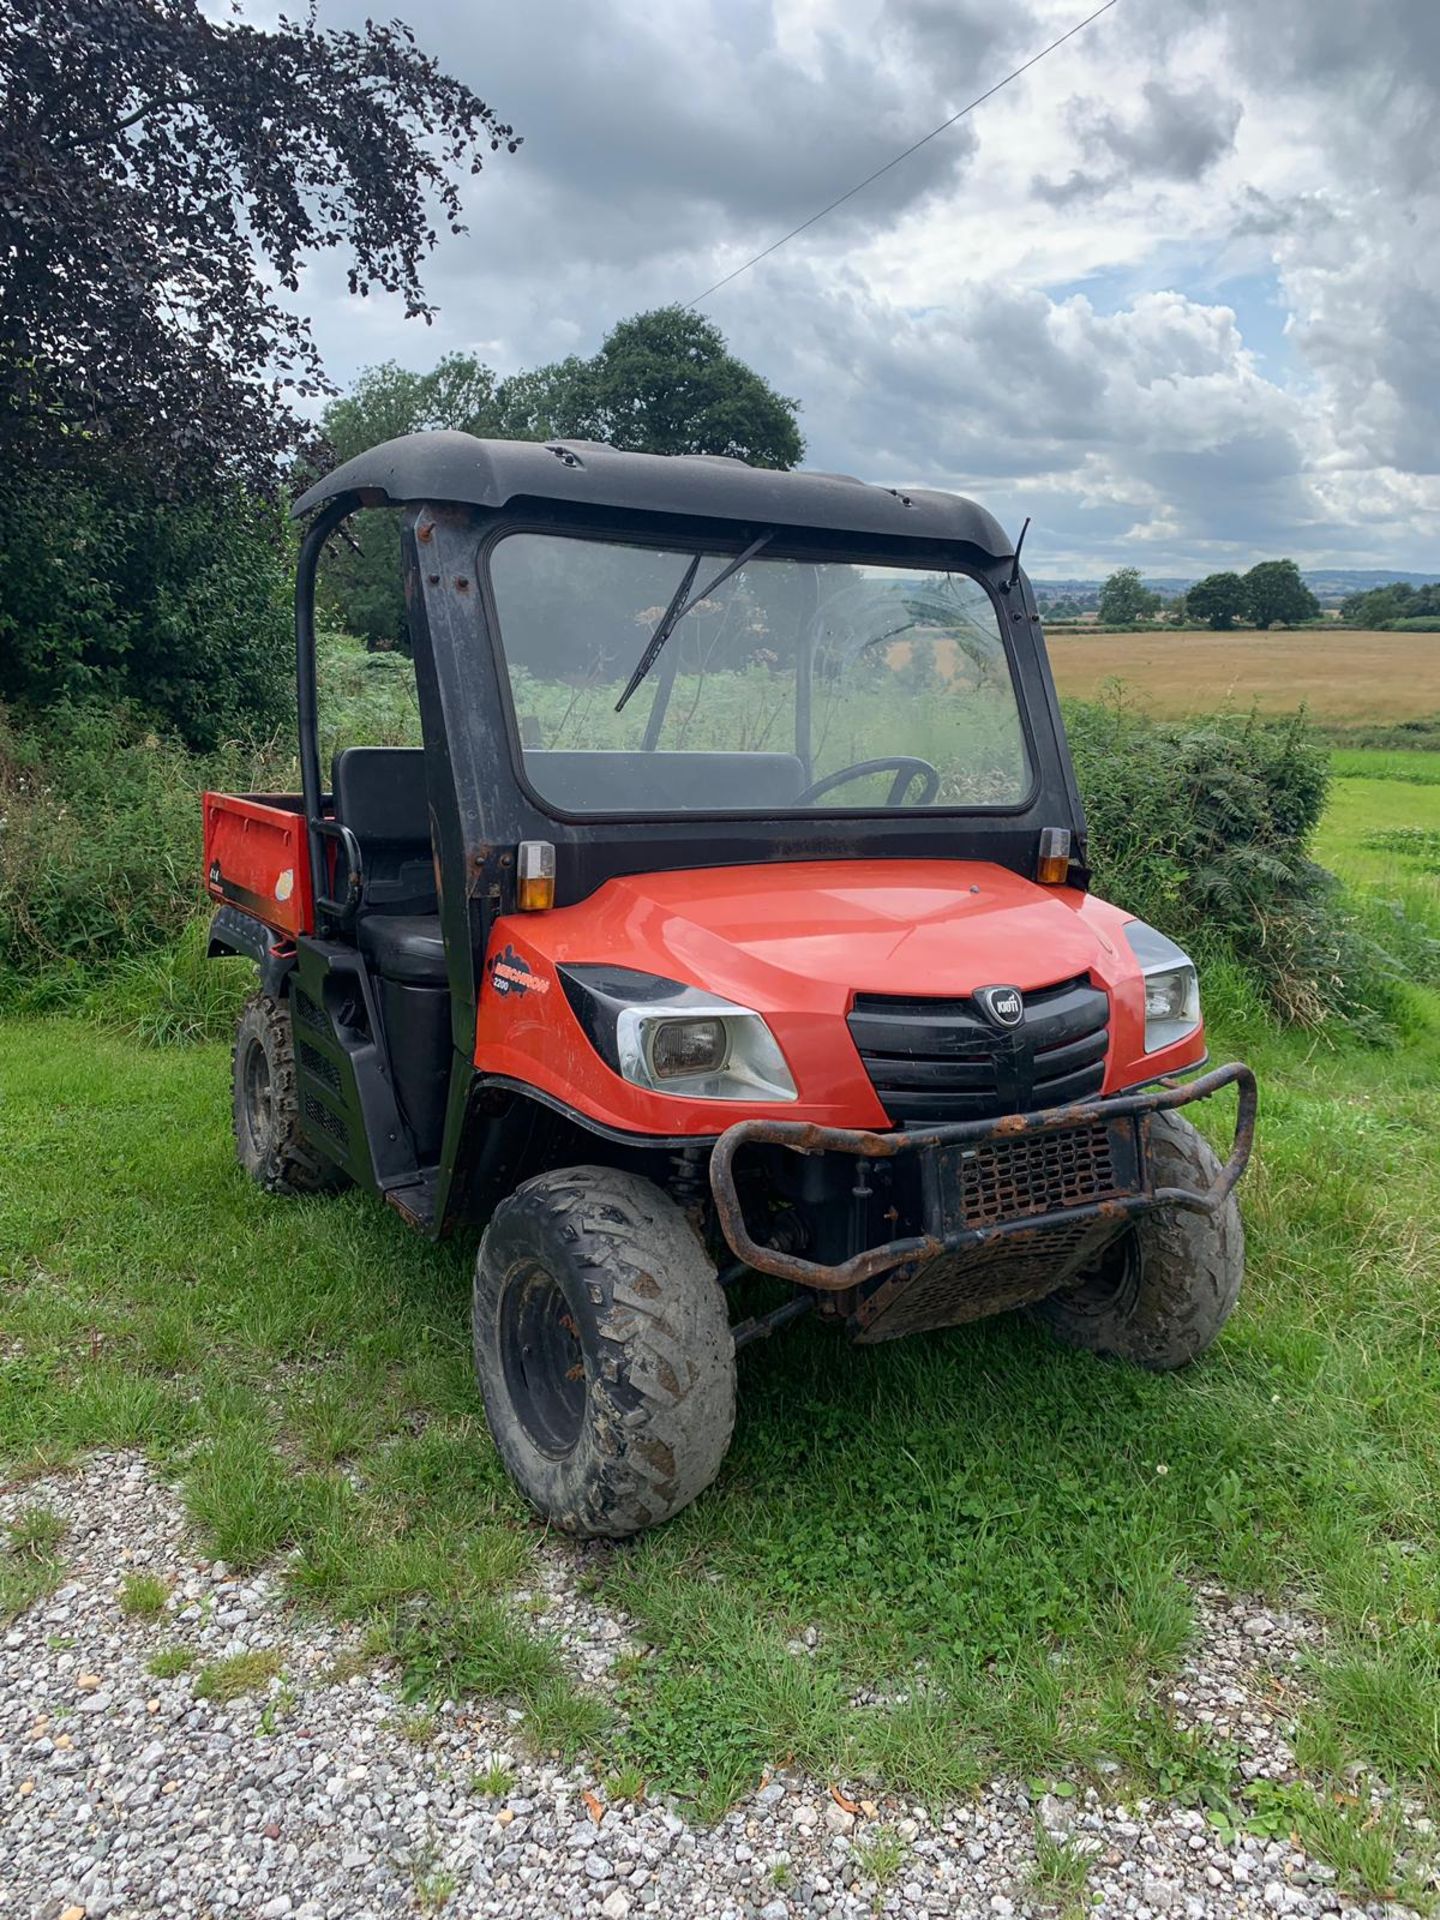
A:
{"points": [[348, 1105], [234, 931]]}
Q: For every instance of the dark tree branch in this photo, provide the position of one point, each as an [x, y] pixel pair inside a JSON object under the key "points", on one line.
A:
{"points": [[137, 240]]}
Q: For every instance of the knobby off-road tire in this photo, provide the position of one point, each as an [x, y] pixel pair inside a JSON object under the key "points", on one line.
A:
{"points": [[1160, 1294], [266, 1107], [603, 1351]]}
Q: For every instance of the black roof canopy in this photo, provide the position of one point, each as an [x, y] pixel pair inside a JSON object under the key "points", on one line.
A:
{"points": [[494, 473]]}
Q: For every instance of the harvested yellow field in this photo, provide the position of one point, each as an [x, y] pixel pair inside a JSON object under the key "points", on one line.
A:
{"points": [[1340, 676]]}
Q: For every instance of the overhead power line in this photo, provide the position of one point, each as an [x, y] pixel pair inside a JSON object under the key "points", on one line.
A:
{"points": [[870, 178]]}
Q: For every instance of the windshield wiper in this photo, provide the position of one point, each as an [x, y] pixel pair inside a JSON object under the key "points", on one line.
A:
{"points": [[680, 604]]}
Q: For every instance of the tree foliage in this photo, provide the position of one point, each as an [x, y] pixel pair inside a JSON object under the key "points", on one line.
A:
{"points": [[163, 175], [662, 382], [1219, 600], [1397, 600], [162, 178], [1125, 598], [1276, 595]]}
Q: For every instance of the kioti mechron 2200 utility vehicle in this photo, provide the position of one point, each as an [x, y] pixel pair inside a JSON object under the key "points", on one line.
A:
{"points": [[731, 920]]}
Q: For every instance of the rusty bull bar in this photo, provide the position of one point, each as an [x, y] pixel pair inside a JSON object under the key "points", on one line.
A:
{"points": [[801, 1137]]}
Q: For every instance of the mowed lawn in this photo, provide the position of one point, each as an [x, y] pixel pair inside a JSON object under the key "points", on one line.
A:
{"points": [[1341, 676], [996, 1541]]}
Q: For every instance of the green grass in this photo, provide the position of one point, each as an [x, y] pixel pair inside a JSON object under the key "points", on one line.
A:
{"points": [[143, 1595], [880, 1855], [170, 1662], [1060, 1871], [30, 1565], [997, 1535], [241, 1673]]}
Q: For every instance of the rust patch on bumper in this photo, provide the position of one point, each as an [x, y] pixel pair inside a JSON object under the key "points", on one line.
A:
{"points": [[807, 1137]]}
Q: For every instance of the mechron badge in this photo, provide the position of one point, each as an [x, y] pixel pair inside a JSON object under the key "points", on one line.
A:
{"points": [[1003, 1005]]}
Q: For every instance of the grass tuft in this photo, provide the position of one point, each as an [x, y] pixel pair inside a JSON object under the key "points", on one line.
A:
{"points": [[34, 1534], [880, 1856], [1060, 1870], [170, 1662], [30, 1567], [143, 1595], [242, 1673]]}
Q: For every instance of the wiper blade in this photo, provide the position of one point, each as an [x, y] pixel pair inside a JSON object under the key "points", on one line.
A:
{"points": [[680, 604]]}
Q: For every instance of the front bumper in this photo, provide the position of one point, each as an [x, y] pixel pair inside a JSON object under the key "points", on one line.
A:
{"points": [[987, 1181]]}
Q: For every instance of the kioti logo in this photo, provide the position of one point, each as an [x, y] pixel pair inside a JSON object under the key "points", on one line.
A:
{"points": [[1003, 1005]]}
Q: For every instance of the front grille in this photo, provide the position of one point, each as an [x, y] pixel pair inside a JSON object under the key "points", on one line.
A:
{"points": [[938, 1060], [1036, 1173]]}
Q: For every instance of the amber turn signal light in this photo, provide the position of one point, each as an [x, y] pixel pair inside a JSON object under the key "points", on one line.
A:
{"points": [[1052, 869], [535, 876]]}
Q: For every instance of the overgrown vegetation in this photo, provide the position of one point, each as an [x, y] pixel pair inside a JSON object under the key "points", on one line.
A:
{"points": [[1207, 830]]}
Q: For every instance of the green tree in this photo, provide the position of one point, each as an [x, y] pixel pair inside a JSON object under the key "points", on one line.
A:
{"points": [[1397, 600], [1125, 598], [1276, 595], [1219, 600], [665, 382]]}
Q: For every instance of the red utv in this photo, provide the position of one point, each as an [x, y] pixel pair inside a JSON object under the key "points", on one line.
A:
{"points": [[731, 920]]}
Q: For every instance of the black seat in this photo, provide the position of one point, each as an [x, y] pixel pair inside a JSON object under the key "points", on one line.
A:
{"points": [[380, 796], [406, 947]]}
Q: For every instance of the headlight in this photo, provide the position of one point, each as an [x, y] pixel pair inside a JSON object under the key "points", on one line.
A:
{"points": [[1172, 992], [675, 1039]]}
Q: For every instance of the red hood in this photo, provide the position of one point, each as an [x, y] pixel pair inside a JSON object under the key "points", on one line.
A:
{"points": [[782, 935], [796, 942]]}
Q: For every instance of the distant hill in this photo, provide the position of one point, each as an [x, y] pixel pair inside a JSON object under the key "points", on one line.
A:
{"points": [[1330, 585]]}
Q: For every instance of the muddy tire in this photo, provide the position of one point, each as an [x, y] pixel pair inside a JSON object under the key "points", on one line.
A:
{"points": [[1160, 1294], [603, 1351], [266, 1108]]}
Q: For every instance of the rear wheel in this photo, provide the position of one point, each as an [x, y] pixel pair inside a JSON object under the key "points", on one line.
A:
{"points": [[603, 1351], [1160, 1294], [266, 1107]]}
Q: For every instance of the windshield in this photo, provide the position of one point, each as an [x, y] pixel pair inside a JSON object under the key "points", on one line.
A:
{"points": [[795, 684]]}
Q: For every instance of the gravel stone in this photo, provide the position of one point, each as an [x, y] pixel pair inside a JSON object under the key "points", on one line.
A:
{"points": [[123, 1797]]}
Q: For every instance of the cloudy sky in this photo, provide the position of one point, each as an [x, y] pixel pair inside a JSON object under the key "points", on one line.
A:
{"points": [[1175, 293]]}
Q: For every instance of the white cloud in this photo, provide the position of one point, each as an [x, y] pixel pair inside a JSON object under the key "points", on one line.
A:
{"points": [[1073, 352]]}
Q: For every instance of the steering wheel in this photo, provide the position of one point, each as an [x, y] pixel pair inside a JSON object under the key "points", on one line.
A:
{"points": [[908, 769]]}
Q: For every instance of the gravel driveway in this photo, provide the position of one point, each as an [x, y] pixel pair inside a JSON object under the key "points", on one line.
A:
{"points": [[322, 1795]]}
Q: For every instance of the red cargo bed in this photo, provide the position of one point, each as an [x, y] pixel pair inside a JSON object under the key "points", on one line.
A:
{"points": [[257, 857]]}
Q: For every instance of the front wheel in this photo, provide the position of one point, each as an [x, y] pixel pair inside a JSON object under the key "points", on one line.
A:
{"points": [[1159, 1295], [603, 1351]]}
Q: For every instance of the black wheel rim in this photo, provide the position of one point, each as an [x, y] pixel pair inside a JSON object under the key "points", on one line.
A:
{"points": [[1111, 1282], [257, 1093], [543, 1361]]}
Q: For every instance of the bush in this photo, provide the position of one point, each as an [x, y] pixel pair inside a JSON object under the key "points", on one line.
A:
{"points": [[99, 848], [1205, 829], [180, 611]]}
